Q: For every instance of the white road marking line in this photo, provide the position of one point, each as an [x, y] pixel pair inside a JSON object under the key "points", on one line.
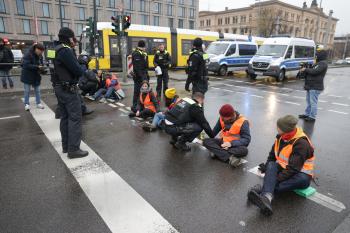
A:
{"points": [[288, 102], [283, 94], [229, 85], [120, 206], [336, 96], [298, 97], [112, 105], [123, 110], [320, 108], [219, 78], [128, 108], [344, 113], [258, 96], [228, 90], [317, 197], [120, 104], [9, 117], [299, 91], [340, 104], [322, 101]]}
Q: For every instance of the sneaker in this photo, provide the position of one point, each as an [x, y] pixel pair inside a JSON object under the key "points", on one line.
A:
{"points": [[310, 119], [27, 107], [261, 201], [40, 106], [90, 98], [234, 161], [182, 146], [102, 100], [110, 100], [256, 188]]}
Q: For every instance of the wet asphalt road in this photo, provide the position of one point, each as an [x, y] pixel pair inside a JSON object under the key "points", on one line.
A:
{"points": [[194, 193]]}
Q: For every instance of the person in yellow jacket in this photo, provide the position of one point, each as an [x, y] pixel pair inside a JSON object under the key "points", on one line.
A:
{"points": [[289, 166]]}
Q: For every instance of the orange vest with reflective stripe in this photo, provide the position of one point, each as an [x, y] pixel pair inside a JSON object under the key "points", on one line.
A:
{"points": [[234, 132], [283, 156], [147, 103], [109, 81]]}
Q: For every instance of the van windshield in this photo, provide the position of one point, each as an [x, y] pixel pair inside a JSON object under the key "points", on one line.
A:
{"points": [[272, 50], [217, 48]]}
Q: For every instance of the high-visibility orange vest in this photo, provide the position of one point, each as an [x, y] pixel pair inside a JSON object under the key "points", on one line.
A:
{"points": [[234, 132], [109, 81], [147, 103], [282, 157]]}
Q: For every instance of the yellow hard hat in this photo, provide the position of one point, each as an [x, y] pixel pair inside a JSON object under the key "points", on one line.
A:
{"points": [[170, 93]]}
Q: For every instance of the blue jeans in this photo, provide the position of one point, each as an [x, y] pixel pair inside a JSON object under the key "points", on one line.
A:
{"points": [[6, 75], [110, 93], [312, 100], [27, 92], [272, 185], [158, 118], [99, 93]]}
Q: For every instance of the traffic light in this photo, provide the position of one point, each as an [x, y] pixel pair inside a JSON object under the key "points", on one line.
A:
{"points": [[126, 22], [115, 24], [90, 28]]}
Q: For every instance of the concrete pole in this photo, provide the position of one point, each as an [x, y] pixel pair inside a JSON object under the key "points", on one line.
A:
{"points": [[95, 32], [123, 47], [35, 21], [326, 37], [318, 24], [346, 46]]}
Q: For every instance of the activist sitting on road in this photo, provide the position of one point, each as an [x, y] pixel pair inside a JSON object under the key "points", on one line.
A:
{"points": [[110, 91], [289, 166], [170, 100], [234, 138], [186, 120], [147, 103]]}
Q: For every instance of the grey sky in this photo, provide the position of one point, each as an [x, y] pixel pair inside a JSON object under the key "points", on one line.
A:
{"points": [[340, 8]]}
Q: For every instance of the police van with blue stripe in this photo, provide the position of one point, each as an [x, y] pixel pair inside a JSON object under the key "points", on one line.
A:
{"points": [[230, 55], [282, 57]]}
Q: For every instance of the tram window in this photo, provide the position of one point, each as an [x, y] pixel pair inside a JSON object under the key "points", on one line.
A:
{"points": [[135, 41], [186, 46], [154, 44]]}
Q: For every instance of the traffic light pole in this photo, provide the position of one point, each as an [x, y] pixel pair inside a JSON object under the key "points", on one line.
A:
{"points": [[123, 45], [95, 36]]}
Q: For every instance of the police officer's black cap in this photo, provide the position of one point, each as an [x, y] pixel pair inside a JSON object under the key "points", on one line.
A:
{"points": [[66, 32], [197, 42], [141, 44]]}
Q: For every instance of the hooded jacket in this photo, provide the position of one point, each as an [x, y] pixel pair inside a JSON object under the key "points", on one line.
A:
{"points": [[315, 75], [30, 68]]}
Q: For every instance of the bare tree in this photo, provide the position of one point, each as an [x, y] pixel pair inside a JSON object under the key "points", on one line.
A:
{"points": [[266, 22]]}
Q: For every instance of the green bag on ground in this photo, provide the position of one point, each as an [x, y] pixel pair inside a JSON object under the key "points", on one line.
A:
{"points": [[305, 192]]}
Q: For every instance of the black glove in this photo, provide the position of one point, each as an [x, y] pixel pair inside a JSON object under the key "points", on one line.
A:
{"points": [[262, 167]]}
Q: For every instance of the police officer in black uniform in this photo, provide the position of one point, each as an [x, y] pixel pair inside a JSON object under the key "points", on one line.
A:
{"points": [[163, 60], [140, 68], [186, 120], [196, 68], [66, 77]]}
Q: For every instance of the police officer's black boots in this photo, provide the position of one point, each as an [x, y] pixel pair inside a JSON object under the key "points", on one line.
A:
{"points": [[77, 154], [181, 145]]}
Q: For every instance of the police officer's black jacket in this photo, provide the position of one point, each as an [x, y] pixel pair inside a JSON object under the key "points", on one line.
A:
{"points": [[140, 64], [162, 59], [315, 76], [197, 69], [67, 68], [193, 114]]}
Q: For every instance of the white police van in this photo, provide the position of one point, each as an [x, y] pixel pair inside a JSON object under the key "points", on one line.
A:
{"points": [[230, 55], [281, 57]]}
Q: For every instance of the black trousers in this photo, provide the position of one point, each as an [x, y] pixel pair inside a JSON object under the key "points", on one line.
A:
{"points": [[214, 146], [58, 110], [162, 82], [89, 88], [185, 133], [137, 87], [145, 113], [71, 115]]}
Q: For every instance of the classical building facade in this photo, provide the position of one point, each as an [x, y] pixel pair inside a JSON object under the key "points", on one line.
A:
{"points": [[25, 21], [341, 48], [273, 17]]}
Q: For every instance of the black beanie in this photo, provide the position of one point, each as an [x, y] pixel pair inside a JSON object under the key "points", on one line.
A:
{"points": [[66, 33], [198, 42], [287, 123], [141, 44]]}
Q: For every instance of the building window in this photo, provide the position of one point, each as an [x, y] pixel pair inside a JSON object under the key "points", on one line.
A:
{"points": [[144, 19], [2, 25], [219, 21], [2, 7], [79, 28], [46, 9], [208, 22], [81, 13], [77, 1], [202, 23], [142, 5], [98, 2], [66, 25], [181, 23], [226, 30], [234, 30], [170, 10], [20, 7], [26, 26], [181, 12], [63, 12], [156, 20], [191, 24], [192, 13], [191, 3], [182, 2], [111, 3], [158, 7], [171, 22], [128, 4], [44, 27]]}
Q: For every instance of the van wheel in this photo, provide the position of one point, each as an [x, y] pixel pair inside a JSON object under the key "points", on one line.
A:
{"points": [[223, 70], [281, 77], [252, 76]]}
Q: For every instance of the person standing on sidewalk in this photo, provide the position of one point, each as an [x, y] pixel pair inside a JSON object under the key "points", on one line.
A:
{"points": [[6, 64], [163, 60], [140, 67], [314, 85], [32, 67]]}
